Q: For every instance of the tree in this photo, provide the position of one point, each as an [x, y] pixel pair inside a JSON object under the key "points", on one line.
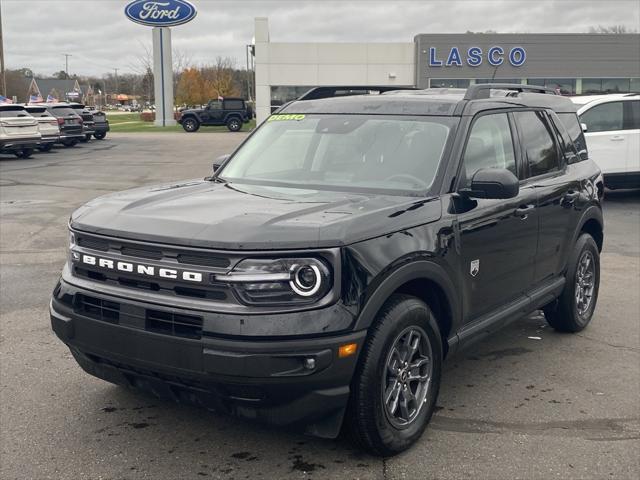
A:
{"points": [[191, 88], [220, 79], [61, 75], [612, 29]]}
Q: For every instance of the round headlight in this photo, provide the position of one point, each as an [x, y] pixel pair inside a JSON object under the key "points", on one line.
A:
{"points": [[305, 280]]}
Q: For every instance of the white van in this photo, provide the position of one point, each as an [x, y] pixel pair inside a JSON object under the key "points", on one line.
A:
{"points": [[612, 128]]}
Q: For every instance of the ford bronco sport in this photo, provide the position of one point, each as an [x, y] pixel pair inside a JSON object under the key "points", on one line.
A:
{"points": [[324, 271]]}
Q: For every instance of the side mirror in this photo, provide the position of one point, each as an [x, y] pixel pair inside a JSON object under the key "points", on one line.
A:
{"points": [[584, 127], [217, 163], [493, 183]]}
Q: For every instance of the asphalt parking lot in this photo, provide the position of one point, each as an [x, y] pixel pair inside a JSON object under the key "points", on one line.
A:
{"points": [[561, 406]]}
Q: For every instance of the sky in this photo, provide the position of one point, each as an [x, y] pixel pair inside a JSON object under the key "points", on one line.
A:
{"points": [[100, 38]]}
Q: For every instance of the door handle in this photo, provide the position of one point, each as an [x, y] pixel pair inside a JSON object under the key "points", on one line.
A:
{"points": [[570, 198], [617, 138], [523, 211]]}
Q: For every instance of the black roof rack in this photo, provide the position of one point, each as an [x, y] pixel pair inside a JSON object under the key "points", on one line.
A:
{"points": [[483, 90], [317, 93]]}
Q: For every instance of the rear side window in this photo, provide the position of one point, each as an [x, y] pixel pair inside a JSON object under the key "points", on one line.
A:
{"points": [[233, 104], [572, 124], [605, 117], [490, 145], [633, 115], [537, 138]]}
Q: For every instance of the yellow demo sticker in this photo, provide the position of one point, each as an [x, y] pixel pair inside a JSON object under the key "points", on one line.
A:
{"points": [[286, 116]]}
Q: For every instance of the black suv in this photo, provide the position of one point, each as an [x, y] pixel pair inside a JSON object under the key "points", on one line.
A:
{"points": [[70, 123], [87, 120], [330, 264], [232, 112]]}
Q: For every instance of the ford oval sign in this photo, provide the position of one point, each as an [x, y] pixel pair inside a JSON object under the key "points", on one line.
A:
{"points": [[160, 13]]}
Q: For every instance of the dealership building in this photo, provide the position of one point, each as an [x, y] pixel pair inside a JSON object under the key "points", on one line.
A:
{"points": [[573, 64]]}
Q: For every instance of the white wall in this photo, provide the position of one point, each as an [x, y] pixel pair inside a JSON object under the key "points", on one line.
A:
{"points": [[316, 64]]}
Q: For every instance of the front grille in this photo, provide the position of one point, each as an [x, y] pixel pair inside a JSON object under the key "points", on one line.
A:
{"points": [[215, 292], [157, 321], [93, 243], [129, 249], [208, 263]]}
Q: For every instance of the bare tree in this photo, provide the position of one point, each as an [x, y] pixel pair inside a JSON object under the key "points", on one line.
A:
{"points": [[220, 79], [612, 29]]}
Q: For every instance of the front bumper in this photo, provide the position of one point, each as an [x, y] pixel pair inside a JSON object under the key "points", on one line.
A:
{"points": [[297, 383]]}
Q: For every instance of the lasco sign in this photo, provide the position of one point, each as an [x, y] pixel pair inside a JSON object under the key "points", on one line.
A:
{"points": [[475, 56], [160, 13]]}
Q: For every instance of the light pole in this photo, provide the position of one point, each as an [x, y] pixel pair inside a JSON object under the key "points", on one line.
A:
{"points": [[4, 76], [66, 63]]}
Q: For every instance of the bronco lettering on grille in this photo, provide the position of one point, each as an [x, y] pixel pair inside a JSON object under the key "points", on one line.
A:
{"points": [[140, 269]]}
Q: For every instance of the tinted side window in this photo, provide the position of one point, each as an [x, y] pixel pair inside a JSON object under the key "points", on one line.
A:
{"points": [[489, 146], [605, 117], [538, 141], [233, 104], [632, 121], [571, 123]]}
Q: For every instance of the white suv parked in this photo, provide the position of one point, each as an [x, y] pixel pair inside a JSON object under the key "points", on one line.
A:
{"points": [[612, 128]]}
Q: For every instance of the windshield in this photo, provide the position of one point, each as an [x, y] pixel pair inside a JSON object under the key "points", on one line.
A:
{"points": [[342, 152]]}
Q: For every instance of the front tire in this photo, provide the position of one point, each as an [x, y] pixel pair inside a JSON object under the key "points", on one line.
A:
{"points": [[396, 384], [573, 310], [190, 125], [234, 124], [99, 135]]}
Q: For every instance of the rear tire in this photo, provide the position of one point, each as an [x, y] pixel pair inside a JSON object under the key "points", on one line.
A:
{"points": [[24, 153], [383, 416], [234, 124], [573, 310], [99, 135], [190, 125]]}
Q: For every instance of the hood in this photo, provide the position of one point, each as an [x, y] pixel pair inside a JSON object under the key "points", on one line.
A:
{"points": [[192, 110], [239, 216]]}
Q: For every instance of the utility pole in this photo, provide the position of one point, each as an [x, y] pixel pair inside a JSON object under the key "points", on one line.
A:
{"points": [[116, 70], [3, 80], [66, 63]]}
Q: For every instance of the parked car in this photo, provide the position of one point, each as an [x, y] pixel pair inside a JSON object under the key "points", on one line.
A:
{"points": [[19, 132], [232, 112], [69, 121], [100, 125], [87, 120], [328, 266], [612, 129], [47, 125]]}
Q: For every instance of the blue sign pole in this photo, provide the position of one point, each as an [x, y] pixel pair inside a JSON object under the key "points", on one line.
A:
{"points": [[161, 14]]}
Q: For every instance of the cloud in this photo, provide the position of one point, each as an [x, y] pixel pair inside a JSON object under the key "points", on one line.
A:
{"points": [[100, 38]]}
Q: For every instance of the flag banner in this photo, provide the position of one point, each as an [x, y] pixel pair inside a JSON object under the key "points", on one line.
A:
{"points": [[35, 99], [4, 99], [51, 99]]}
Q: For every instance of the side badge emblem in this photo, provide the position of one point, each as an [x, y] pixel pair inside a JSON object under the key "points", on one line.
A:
{"points": [[475, 267]]}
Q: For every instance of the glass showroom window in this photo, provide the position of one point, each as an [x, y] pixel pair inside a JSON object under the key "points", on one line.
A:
{"points": [[499, 80], [566, 86], [282, 94], [610, 85]]}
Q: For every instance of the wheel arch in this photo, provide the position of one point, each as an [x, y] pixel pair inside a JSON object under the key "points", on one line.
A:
{"points": [[427, 281], [592, 223]]}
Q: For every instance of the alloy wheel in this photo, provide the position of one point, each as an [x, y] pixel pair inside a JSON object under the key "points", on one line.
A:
{"points": [[407, 377], [585, 282]]}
